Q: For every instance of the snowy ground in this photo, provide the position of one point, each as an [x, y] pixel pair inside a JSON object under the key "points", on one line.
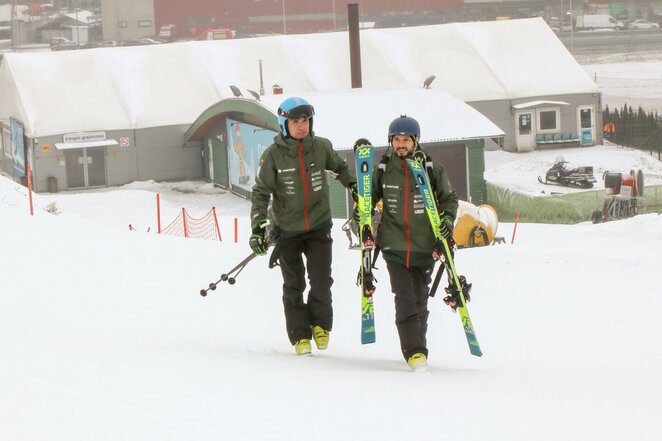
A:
{"points": [[634, 78], [103, 335], [519, 172]]}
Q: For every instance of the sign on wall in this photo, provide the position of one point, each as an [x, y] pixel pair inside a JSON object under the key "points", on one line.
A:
{"points": [[246, 143], [84, 137], [17, 147]]}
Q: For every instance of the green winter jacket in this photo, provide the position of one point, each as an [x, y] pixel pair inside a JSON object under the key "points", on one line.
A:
{"points": [[294, 172], [405, 234]]}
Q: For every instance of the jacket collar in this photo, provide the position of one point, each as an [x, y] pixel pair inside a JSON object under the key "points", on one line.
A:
{"points": [[291, 145]]}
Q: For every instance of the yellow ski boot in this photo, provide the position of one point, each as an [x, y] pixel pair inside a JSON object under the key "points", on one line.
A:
{"points": [[321, 337], [303, 347]]}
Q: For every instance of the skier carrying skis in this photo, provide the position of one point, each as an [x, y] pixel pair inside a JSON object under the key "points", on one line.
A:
{"points": [[406, 237], [293, 172]]}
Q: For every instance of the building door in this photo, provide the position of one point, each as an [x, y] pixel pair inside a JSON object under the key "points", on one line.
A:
{"points": [[74, 160], [525, 137], [220, 158], [210, 159], [86, 167], [96, 167], [586, 124]]}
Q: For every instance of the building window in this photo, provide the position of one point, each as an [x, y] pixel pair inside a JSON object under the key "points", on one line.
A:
{"points": [[548, 120], [122, 24], [586, 118], [144, 23]]}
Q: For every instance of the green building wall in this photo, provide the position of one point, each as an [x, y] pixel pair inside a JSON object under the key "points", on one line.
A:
{"points": [[476, 173]]}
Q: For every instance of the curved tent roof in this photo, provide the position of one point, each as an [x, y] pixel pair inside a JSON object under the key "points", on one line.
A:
{"points": [[158, 85], [443, 118]]}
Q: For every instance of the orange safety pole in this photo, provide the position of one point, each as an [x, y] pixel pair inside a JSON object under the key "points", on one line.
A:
{"points": [[184, 221], [512, 240], [218, 230], [158, 212], [236, 231], [30, 190]]}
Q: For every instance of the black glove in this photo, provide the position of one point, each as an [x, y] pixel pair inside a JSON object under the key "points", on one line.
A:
{"points": [[446, 226], [354, 190], [258, 241], [438, 251]]}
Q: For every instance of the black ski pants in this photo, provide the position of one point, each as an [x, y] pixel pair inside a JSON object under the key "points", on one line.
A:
{"points": [[300, 316], [410, 286]]}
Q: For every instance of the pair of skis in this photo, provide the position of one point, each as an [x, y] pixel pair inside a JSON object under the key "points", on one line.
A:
{"points": [[363, 155]]}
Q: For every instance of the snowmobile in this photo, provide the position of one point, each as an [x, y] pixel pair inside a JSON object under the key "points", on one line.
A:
{"points": [[624, 196], [580, 177]]}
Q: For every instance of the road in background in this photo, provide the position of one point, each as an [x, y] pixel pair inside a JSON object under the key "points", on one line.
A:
{"points": [[610, 42]]}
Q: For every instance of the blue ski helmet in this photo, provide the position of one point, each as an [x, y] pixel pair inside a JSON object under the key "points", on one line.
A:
{"points": [[294, 108], [404, 125]]}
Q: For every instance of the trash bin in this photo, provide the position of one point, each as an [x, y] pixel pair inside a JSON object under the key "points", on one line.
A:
{"points": [[52, 184]]}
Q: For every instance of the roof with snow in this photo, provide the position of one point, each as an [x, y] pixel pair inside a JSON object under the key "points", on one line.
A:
{"points": [[443, 118], [169, 84]]}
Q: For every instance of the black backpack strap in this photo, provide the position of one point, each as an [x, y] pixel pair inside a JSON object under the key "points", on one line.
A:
{"points": [[429, 165], [381, 167]]}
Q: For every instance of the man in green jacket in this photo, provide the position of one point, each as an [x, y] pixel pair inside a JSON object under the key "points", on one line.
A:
{"points": [[293, 173], [406, 237]]}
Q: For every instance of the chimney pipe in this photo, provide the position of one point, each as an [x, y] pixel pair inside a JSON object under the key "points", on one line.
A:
{"points": [[354, 44]]}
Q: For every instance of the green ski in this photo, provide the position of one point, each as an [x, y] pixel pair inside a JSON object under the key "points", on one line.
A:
{"points": [[459, 286], [363, 155]]}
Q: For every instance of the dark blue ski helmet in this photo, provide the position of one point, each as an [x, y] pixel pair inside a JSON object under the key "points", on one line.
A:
{"points": [[404, 125], [294, 108]]}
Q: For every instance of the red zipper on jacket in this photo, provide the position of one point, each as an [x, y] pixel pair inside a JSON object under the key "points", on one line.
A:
{"points": [[406, 205], [305, 187]]}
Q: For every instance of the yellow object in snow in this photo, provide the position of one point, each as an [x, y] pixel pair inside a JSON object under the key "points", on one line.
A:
{"points": [[475, 226]]}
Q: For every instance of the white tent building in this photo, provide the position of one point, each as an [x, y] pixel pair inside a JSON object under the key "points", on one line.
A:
{"points": [[144, 99]]}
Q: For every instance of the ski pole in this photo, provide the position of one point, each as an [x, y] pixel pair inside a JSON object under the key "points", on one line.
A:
{"points": [[229, 276], [437, 280]]}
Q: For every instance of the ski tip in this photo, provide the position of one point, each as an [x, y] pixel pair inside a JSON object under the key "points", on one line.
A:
{"points": [[361, 142]]}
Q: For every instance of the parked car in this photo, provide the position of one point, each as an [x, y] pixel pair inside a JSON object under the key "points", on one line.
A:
{"points": [[90, 45], [168, 32], [57, 40], [592, 22], [141, 42], [65, 46], [643, 24]]}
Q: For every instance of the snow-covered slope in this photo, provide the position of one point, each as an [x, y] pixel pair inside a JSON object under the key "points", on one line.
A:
{"points": [[103, 335]]}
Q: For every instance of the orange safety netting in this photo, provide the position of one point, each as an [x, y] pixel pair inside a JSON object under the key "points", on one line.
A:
{"points": [[186, 226]]}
